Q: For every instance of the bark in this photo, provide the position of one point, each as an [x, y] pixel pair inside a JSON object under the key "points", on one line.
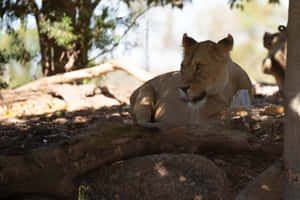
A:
{"points": [[292, 105], [52, 55], [51, 171], [87, 74], [50, 51], [59, 59]]}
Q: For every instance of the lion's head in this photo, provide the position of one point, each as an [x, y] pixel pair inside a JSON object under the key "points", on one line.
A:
{"points": [[204, 68], [275, 62]]}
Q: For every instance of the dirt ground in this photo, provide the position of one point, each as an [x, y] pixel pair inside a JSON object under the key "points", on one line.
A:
{"points": [[22, 134]]}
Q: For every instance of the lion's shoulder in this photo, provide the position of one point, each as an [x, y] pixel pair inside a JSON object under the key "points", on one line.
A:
{"points": [[156, 85]]}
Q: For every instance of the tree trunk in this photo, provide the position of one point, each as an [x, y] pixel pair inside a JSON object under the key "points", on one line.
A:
{"points": [[292, 105], [57, 59], [51, 54], [51, 171]]}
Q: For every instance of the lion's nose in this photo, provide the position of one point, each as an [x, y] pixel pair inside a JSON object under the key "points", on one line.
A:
{"points": [[185, 89]]}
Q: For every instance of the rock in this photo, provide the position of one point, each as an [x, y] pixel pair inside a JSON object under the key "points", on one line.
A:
{"points": [[267, 186], [159, 177]]}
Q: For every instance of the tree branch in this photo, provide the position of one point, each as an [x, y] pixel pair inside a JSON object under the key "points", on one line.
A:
{"points": [[87, 73], [95, 4], [133, 23]]}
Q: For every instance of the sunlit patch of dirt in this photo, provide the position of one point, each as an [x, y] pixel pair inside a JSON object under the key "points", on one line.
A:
{"points": [[22, 134]]}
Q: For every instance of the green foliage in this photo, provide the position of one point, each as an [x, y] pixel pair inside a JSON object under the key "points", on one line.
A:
{"points": [[274, 1], [14, 45], [17, 49], [239, 4], [61, 26], [174, 3], [104, 31], [74, 26], [4, 57], [104, 28], [3, 85], [82, 190], [19, 74], [61, 31]]}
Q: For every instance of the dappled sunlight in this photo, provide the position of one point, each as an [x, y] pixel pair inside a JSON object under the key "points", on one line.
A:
{"points": [[266, 188], [16, 103], [198, 197], [25, 133], [159, 176], [182, 178], [161, 169], [85, 113], [32, 107]]}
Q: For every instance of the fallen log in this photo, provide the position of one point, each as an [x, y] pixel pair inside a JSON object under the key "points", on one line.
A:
{"points": [[51, 171], [53, 85], [87, 73]]}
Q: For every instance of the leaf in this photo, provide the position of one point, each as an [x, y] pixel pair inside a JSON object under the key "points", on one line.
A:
{"points": [[274, 1], [275, 109]]}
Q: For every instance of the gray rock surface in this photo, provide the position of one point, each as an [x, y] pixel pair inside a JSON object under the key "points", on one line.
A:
{"points": [[159, 177]]}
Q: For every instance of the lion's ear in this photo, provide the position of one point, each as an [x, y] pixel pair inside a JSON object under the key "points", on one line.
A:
{"points": [[187, 41], [226, 44]]}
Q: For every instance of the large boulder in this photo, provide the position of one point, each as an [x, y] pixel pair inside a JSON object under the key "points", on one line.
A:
{"points": [[159, 177]]}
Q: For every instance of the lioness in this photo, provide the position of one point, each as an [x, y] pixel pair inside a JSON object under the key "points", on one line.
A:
{"points": [[204, 86], [275, 62]]}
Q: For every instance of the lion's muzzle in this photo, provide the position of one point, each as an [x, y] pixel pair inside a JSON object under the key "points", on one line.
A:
{"points": [[185, 97]]}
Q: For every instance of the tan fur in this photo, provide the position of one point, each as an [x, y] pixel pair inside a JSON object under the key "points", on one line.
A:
{"points": [[275, 62], [204, 86]]}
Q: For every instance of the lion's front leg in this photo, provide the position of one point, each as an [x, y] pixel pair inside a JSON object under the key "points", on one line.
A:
{"points": [[142, 107]]}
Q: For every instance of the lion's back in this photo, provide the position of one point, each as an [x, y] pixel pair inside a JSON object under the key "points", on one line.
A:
{"points": [[158, 84]]}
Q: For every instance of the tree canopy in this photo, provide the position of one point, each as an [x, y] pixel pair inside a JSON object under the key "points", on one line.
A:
{"points": [[69, 29], [239, 3]]}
